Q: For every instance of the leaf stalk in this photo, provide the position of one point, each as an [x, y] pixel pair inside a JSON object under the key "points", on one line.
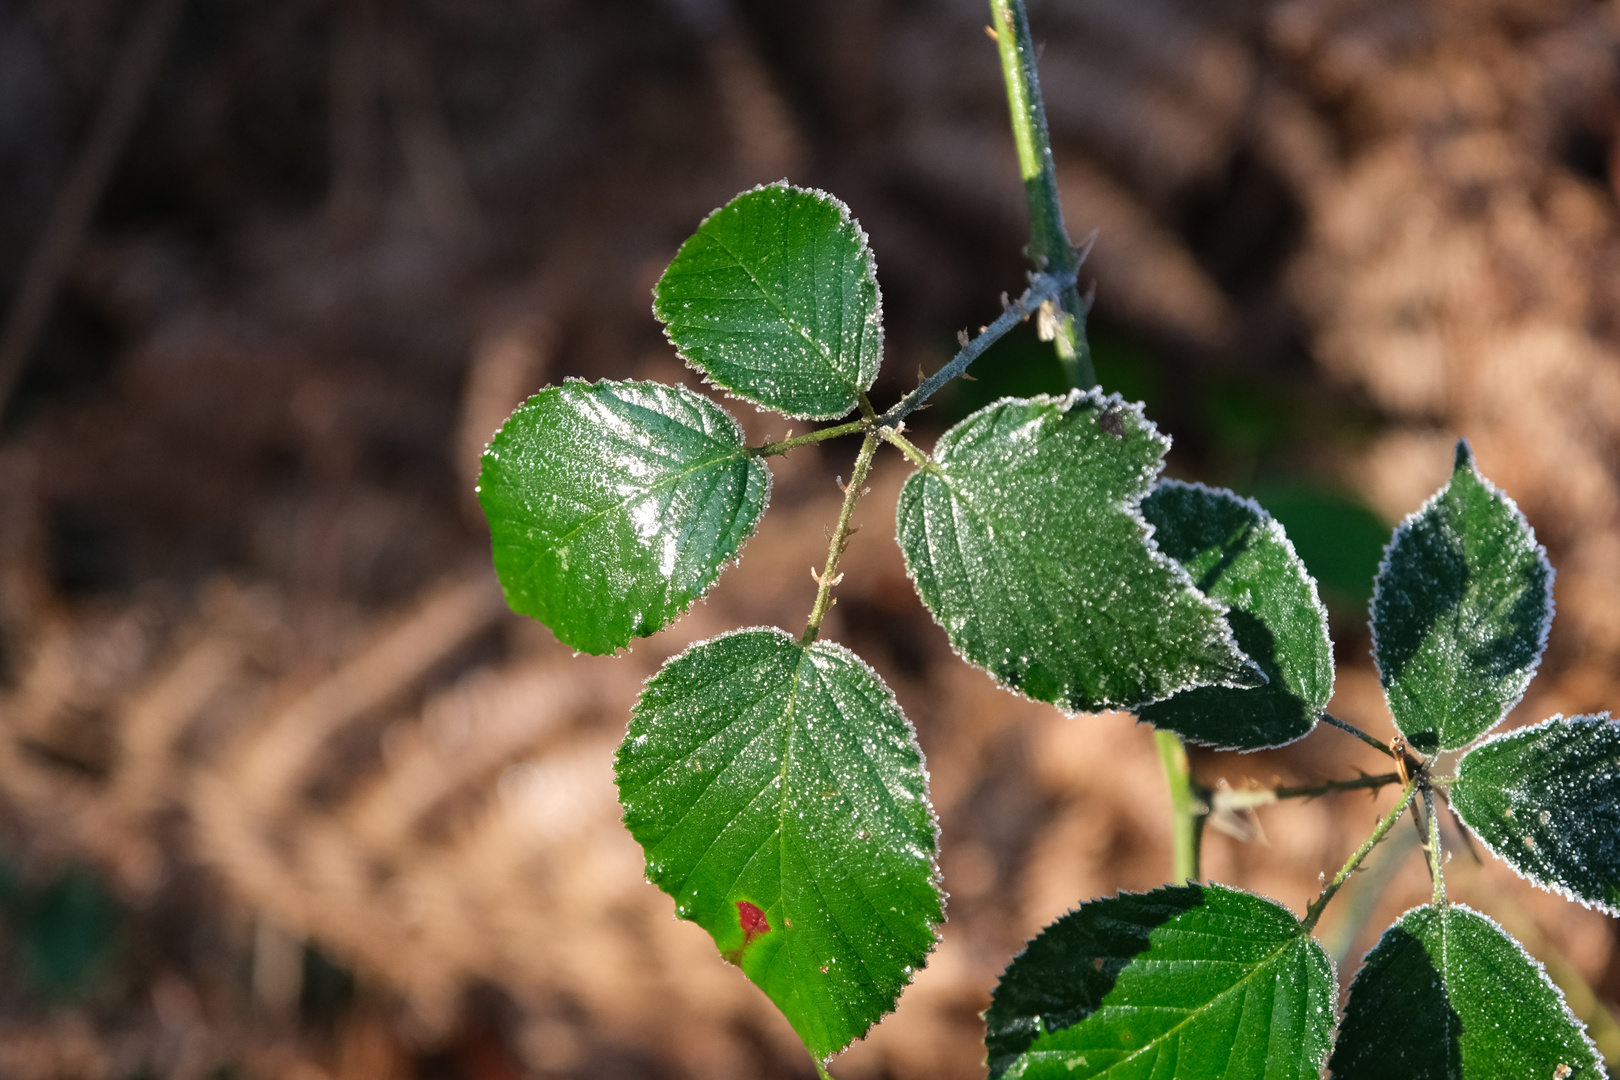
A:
{"points": [[1249, 798], [1314, 912], [1188, 806], [840, 537], [1328, 718]]}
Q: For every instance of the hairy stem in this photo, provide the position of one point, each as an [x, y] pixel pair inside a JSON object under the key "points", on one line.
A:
{"points": [[1042, 288], [1314, 912], [840, 537], [1328, 718], [821, 1069], [775, 448], [893, 437], [1434, 848], [1248, 798], [1187, 808], [1049, 244]]}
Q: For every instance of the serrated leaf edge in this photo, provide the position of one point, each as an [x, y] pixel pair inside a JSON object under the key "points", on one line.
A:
{"points": [[1527, 731], [1333, 969], [724, 564], [935, 878], [1540, 968], [1132, 508], [1275, 528], [847, 215], [1464, 454]]}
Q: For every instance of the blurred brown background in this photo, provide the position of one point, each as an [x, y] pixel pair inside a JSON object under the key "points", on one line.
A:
{"points": [[285, 792]]}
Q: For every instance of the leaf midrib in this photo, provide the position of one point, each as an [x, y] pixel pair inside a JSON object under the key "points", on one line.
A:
{"points": [[1192, 1014]]}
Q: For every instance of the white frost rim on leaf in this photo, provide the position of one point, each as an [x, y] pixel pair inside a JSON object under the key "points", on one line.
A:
{"points": [[869, 264], [1405, 527], [1131, 507], [1274, 528], [1527, 732]]}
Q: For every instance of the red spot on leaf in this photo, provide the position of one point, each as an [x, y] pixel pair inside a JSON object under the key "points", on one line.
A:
{"points": [[752, 920]]}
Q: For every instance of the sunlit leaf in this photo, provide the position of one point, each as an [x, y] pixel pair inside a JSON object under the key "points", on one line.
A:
{"points": [[1025, 540], [613, 505], [1461, 610], [1446, 994], [1240, 557], [1195, 982], [782, 801], [1546, 799], [775, 298]]}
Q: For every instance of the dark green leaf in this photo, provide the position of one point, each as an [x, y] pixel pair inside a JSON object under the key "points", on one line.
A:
{"points": [[1546, 799], [1460, 612], [782, 801], [613, 505], [775, 298], [1025, 540], [1190, 982], [1446, 995], [1240, 557]]}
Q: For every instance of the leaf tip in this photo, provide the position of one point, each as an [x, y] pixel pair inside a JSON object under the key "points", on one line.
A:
{"points": [[1465, 457]]}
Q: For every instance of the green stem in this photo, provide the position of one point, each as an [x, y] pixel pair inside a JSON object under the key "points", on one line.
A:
{"points": [[1314, 912], [1434, 848], [1049, 244], [1358, 733], [893, 437], [1187, 809], [821, 1069], [775, 448], [840, 537], [1245, 799]]}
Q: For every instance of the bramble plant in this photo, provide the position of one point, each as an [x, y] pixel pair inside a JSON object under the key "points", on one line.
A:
{"points": [[780, 794]]}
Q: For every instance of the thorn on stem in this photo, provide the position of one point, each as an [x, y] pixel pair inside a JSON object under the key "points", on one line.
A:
{"points": [[990, 32], [1005, 302], [961, 339]]}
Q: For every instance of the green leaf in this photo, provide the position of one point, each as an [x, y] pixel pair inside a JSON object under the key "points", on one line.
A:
{"points": [[1190, 982], [613, 505], [1025, 540], [1460, 612], [1240, 557], [1446, 994], [782, 801], [775, 298], [1546, 800]]}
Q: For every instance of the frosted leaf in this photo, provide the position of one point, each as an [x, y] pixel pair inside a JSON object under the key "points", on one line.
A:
{"points": [[1446, 993], [612, 506], [1025, 540], [782, 801], [1239, 556], [775, 298], [1546, 800], [1460, 612], [1198, 982]]}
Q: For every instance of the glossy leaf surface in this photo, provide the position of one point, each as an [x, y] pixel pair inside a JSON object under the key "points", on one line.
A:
{"points": [[1546, 799], [782, 801], [1239, 556], [1447, 995], [775, 298], [1025, 541], [1461, 609], [613, 505], [1192, 982]]}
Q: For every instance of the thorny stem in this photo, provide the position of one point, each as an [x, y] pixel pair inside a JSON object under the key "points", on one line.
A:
{"points": [[1041, 288], [905, 446], [1187, 809], [1049, 245], [1328, 718], [775, 448], [1434, 848], [1248, 798], [1314, 912], [840, 537]]}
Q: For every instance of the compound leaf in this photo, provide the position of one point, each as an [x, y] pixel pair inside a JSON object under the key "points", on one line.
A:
{"points": [[1446, 994], [781, 799], [613, 505], [1191, 982], [1025, 541], [775, 298], [1460, 612], [1546, 799], [1238, 555]]}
